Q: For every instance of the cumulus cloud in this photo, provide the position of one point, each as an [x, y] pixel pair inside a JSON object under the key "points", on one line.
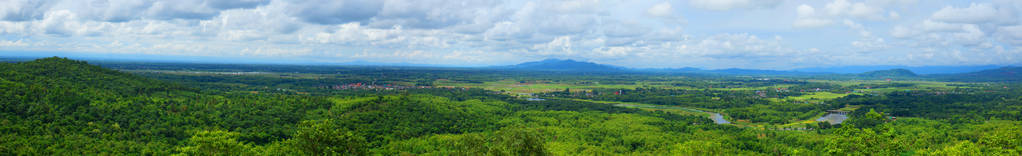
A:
{"points": [[970, 35], [123, 10], [965, 25], [975, 13], [231, 4], [875, 10], [807, 17], [18, 43], [662, 9], [557, 47], [1010, 34], [334, 11], [859, 10], [468, 16], [734, 4], [722, 33], [21, 10]]}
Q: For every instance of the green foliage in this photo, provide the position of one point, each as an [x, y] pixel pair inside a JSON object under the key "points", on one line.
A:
{"points": [[869, 120], [518, 141], [953, 105], [506, 141], [393, 118], [960, 148], [215, 143], [854, 141], [327, 138], [56, 106]]}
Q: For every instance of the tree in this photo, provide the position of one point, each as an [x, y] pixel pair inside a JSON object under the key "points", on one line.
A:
{"points": [[215, 143], [869, 120], [326, 138], [518, 141], [961, 148]]}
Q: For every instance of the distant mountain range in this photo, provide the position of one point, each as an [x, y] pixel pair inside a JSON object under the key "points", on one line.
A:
{"points": [[562, 65], [999, 74], [953, 73], [967, 73], [917, 69], [573, 65], [888, 73]]}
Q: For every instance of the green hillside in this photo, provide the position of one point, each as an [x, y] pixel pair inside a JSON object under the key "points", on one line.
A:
{"points": [[57, 106]]}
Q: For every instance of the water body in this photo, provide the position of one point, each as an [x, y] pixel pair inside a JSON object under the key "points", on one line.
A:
{"points": [[717, 118], [833, 118]]}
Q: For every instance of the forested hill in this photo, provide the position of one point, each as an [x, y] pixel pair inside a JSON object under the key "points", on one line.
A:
{"points": [[63, 75], [57, 106]]}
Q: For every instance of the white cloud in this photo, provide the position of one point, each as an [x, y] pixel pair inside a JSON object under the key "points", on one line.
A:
{"points": [[723, 33], [870, 44], [1010, 34], [60, 22], [970, 35], [902, 32], [894, 15], [18, 43], [858, 27], [857, 10], [807, 18], [863, 11], [734, 4], [268, 51], [613, 52], [334, 11], [21, 10], [557, 47], [934, 26], [662, 9], [975, 13], [966, 27], [837, 7]]}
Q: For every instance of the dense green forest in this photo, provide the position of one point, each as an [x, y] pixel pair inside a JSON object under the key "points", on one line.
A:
{"points": [[57, 106]]}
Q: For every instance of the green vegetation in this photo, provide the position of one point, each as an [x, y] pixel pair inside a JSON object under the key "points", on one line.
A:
{"points": [[56, 106]]}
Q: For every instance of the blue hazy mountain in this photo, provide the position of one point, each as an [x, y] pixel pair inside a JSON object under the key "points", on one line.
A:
{"points": [[561, 65], [999, 74], [888, 73], [918, 69]]}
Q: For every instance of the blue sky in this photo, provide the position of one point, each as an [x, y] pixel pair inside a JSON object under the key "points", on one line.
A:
{"points": [[757, 34]]}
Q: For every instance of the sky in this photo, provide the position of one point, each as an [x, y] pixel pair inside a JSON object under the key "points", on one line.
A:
{"points": [[712, 34]]}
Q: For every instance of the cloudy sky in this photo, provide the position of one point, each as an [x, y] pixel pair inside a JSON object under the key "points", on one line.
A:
{"points": [[759, 34]]}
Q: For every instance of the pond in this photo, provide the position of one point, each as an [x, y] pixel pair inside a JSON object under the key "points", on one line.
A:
{"points": [[833, 118], [717, 118]]}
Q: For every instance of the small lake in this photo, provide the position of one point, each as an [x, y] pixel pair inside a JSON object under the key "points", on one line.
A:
{"points": [[535, 99], [717, 118], [833, 118]]}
